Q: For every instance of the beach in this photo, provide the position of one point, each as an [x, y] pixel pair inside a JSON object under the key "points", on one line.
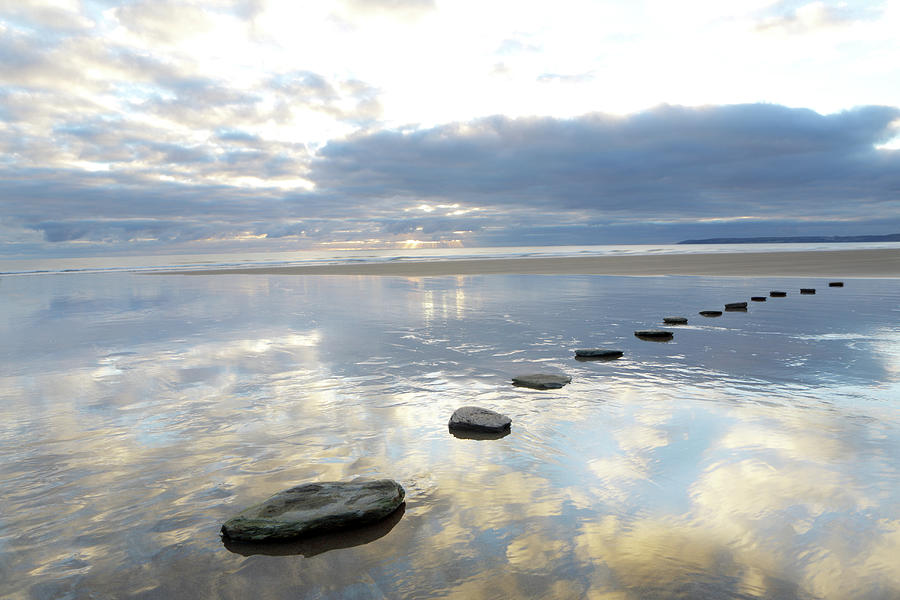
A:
{"points": [[752, 456], [832, 263]]}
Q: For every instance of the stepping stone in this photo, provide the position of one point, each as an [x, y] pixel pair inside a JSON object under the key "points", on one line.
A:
{"points": [[598, 353], [775, 294], [316, 508], [758, 298], [474, 418], [675, 320], [835, 284], [654, 334], [735, 305], [711, 313], [315, 544], [807, 290], [541, 381]]}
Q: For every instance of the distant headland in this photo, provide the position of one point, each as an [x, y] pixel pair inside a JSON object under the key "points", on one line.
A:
{"points": [[810, 239]]}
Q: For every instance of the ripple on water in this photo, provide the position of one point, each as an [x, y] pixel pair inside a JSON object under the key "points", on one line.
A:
{"points": [[743, 459]]}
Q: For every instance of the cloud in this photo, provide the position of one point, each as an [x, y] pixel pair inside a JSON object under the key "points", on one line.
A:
{"points": [[61, 16], [669, 162], [560, 78], [164, 21], [801, 17], [665, 174], [405, 9]]}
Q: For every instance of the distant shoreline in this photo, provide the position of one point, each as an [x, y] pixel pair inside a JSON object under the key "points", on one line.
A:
{"points": [[832, 263], [811, 239]]}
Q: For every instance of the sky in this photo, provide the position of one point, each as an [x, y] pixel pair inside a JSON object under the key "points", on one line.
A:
{"points": [[162, 127]]}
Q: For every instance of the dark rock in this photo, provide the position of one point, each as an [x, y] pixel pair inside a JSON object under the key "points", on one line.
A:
{"points": [[731, 305], [541, 381], [807, 290], [314, 508], [758, 298], [316, 544], [654, 334], [675, 320], [835, 284], [775, 294], [607, 353], [474, 418], [711, 313]]}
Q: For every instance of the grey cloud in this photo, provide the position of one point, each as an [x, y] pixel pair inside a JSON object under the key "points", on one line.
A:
{"points": [[237, 136], [713, 161], [51, 118], [312, 91], [432, 226], [662, 175]]}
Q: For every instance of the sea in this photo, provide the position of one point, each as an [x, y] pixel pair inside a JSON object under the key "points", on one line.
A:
{"points": [[29, 265], [752, 456]]}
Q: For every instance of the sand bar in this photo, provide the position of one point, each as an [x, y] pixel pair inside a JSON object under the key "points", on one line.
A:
{"points": [[831, 263]]}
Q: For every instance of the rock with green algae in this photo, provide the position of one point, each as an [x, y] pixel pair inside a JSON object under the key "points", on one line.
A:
{"points": [[316, 508]]}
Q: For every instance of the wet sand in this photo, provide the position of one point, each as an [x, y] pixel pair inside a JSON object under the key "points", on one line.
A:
{"points": [[834, 263]]}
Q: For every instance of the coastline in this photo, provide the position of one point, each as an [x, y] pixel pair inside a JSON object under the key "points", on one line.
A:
{"points": [[831, 263]]}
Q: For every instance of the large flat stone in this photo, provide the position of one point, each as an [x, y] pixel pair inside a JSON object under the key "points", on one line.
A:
{"points": [[541, 381], [474, 418], [316, 508]]}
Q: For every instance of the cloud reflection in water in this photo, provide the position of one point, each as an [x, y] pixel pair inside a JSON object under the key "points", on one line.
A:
{"points": [[754, 456]]}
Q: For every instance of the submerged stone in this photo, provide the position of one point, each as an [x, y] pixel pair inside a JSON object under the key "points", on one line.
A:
{"points": [[675, 320], [777, 294], [711, 313], [598, 353], [541, 381], [474, 418], [835, 284], [654, 334], [316, 508]]}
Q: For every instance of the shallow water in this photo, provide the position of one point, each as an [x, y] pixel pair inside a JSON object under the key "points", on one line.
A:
{"points": [[754, 456]]}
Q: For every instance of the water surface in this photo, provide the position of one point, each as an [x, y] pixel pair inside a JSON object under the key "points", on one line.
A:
{"points": [[754, 456]]}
